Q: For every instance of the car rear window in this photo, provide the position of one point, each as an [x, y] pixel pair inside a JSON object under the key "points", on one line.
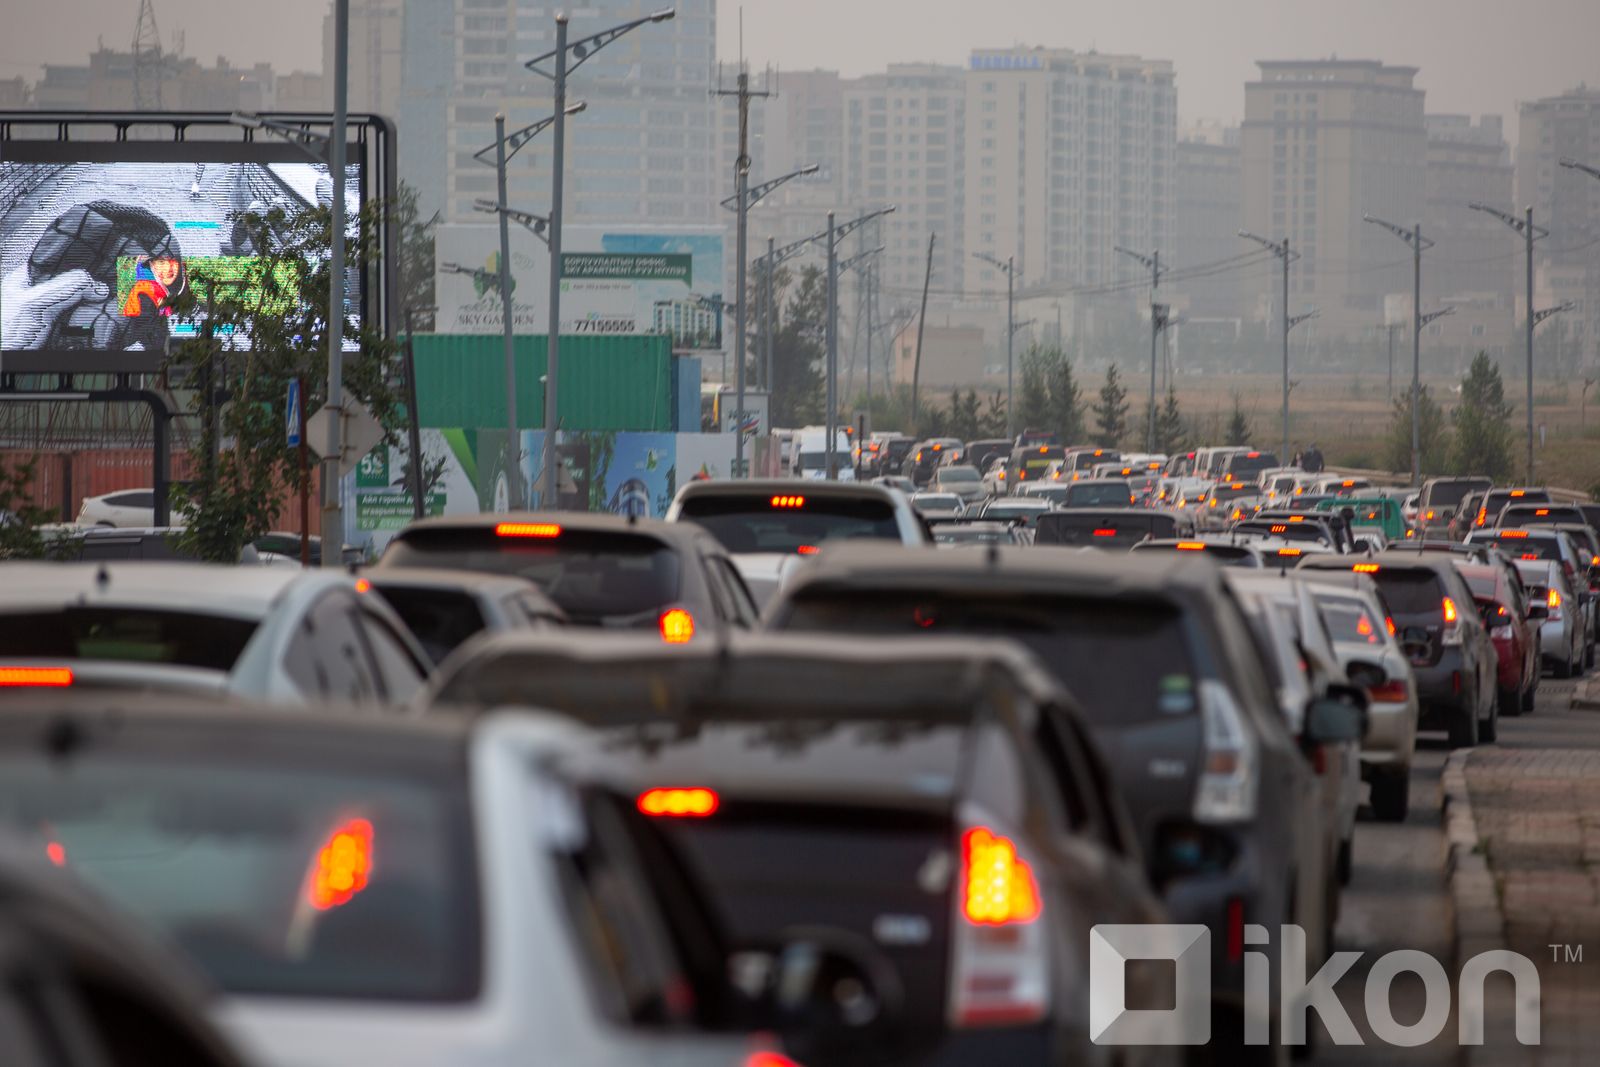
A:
{"points": [[958, 474], [441, 619], [1248, 464], [1309, 532], [1530, 547], [1450, 494], [126, 635], [1128, 662], [1411, 592], [1541, 516], [592, 575], [1099, 496], [1350, 621], [762, 522], [1102, 531], [302, 880]]}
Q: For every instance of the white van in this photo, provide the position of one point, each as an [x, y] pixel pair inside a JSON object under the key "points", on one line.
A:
{"points": [[811, 459]]}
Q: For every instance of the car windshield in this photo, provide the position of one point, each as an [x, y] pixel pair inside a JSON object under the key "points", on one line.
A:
{"points": [[1092, 495], [959, 474], [591, 575], [126, 635], [1127, 661], [762, 522], [312, 879]]}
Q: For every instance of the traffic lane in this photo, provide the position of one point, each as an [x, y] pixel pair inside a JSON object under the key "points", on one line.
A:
{"points": [[1398, 898]]}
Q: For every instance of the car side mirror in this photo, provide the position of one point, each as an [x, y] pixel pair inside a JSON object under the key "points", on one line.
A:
{"points": [[1331, 720], [829, 998], [1365, 674]]}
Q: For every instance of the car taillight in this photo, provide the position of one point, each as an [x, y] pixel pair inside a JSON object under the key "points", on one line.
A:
{"points": [[527, 529], [1365, 568], [1450, 615], [1191, 546], [1228, 782], [695, 802], [1388, 622], [808, 550], [1553, 602], [1391, 692], [35, 677], [341, 867], [1452, 632], [677, 626], [769, 1059], [1105, 533], [1000, 956]]}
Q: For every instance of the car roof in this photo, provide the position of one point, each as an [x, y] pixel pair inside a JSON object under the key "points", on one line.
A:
{"points": [[486, 583], [203, 588], [1439, 564], [773, 486], [677, 534]]}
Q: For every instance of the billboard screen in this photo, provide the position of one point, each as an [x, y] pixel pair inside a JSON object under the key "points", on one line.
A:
{"points": [[614, 281], [92, 254]]}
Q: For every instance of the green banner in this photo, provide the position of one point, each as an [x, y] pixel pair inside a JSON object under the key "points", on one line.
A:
{"points": [[629, 266], [372, 472], [391, 511]]}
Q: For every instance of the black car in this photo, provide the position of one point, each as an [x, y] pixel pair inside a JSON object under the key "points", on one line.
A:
{"points": [[1224, 553], [979, 453], [938, 802], [1116, 527], [1436, 618], [600, 570], [1162, 659]]}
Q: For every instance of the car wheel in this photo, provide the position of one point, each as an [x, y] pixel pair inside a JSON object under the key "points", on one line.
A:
{"points": [[1391, 794], [1489, 728], [1347, 860], [1464, 729], [1511, 701], [1563, 669], [1530, 694]]}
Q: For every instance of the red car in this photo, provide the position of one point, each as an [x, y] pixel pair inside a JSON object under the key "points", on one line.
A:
{"points": [[1503, 604]]}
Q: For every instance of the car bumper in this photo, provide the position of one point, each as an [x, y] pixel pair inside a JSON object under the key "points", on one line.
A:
{"points": [[1206, 900], [1442, 689], [1391, 734], [1555, 639]]}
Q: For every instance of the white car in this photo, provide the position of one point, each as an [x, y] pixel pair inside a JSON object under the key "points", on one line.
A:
{"points": [[126, 507], [938, 505], [1359, 625], [267, 633]]}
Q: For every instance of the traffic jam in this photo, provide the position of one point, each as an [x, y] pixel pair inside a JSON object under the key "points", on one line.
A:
{"points": [[810, 771]]}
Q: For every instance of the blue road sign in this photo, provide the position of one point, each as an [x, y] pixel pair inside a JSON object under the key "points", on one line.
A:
{"points": [[292, 414]]}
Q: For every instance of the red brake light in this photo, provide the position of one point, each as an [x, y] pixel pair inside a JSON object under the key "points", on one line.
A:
{"points": [[35, 677], [341, 867], [1541, 511], [788, 502], [1519, 492], [999, 886], [1388, 621], [363, 586], [1105, 533], [807, 550], [527, 529], [1252, 455], [695, 802], [1289, 551], [1191, 546], [677, 626], [1530, 555], [56, 852], [1449, 612], [769, 1059], [1364, 628]]}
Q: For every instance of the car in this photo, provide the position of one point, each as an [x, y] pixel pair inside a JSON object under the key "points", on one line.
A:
{"points": [[893, 455], [1275, 482], [126, 507], [1302, 667], [811, 455], [994, 475], [129, 543], [924, 456], [938, 505], [1339, 485], [377, 890], [282, 548], [1357, 619], [1246, 466], [1377, 512], [1480, 552], [1538, 514], [1117, 527], [1222, 551], [1099, 493], [1538, 542], [1439, 499], [1551, 596], [882, 453], [864, 786], [609, 571], [767, 526], [1304, 531], [1494, 501], [1032, 464], [1161, 658], [895, 481], [1024, 510], [959, 532], [1502, 601], [979, 453], [1221, 504], [1452, 656], [960, 479], [1334, 520], [443, 608], [1055, 492], [272, 634], [1208, 461]]}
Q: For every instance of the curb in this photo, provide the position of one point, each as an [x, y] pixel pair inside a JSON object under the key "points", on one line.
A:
{"points": [[1479, 923], [1586, 695]]}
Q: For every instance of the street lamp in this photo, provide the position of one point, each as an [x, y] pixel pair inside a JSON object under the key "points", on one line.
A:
{"points": [[835, 234], [1282, 250], [863, 261], [741, 202], [1153, 261], [581, 50], [1010, 267], [1419, 244], [1530, 233], [770, 262]]}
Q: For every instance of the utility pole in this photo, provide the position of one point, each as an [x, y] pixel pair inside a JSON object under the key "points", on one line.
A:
{"points": [[741, 183], [1283, 252], [1157, 323], [1419, 244], [871, 275], [1010, 267], [1529, 233], [922, 319], [582, 50], [836, 233], [332, 479], [770, 262], [771, 318]]}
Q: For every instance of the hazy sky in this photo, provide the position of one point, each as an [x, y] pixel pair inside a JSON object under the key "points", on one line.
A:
{"points": [[1476, 56]]}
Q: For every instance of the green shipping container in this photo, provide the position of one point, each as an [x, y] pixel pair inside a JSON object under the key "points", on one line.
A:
{"points": [[606, 383]]}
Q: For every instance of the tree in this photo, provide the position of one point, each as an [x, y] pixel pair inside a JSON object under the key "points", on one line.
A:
{"points": [[416, 257], [1033, 398], [1482, 423], [1170, 434], [1430, 432], [992, 423], [1066, 402], [1111, 410], [1238, 430], [19, 518], [798, 352], [264, 323], [963, 420]]}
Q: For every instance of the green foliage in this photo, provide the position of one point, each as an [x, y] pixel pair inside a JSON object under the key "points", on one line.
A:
{"points": [[19, 518], [1238, 429], [1111, 410], [798, 349], [992, 423], [964, 420], [1066, 401], [1483, 442], [1171, 436], [1430, 432], [1033, 395], [240, 490]]}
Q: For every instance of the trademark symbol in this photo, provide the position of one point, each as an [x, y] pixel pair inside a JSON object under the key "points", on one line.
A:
{"points": [[1565, 953]]}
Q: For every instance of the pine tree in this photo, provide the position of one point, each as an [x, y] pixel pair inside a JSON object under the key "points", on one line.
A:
{"points": [[1483, 423], [1170, 434], [1111, 411], [1430, 433], [1238, 431], [1065, 408], [1033, 398], [992, 423]]}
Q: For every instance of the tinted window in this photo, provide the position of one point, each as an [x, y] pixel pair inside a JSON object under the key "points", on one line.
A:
{"points": [[1410, 592], [151, 546], [222, 857], [1530, 547], [441, 619], [132, 500], [397, 671], [1127, 661], [127, 635], [1449, 494], [1520, 516], [1250, 464], [754, 524], [1102, 531], [959, 474], [591, 575], [1350, 621], [327, 657], [1098, 496]]}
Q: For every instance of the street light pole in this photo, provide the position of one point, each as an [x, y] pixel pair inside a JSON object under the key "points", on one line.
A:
{"points": [[1282, 250], [1153, 261], [1529, 233], [1419, 244], [768, 318], [332, 479], [1010, 268], [831, 416], [514, 499]]}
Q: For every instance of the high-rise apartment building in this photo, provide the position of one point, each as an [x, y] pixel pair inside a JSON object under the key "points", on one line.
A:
{"points": [[1207, 218], [1325, 142], [1068, 154], [1567, 202], [1470, 266], [375, 49], [642, 152]]}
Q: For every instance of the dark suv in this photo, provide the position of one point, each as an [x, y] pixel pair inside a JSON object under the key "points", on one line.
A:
{"points": [[1436, 619], [1162, 658]]}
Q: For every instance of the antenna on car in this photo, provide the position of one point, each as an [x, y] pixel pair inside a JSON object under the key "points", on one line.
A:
{"points": [[102, 576]]}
